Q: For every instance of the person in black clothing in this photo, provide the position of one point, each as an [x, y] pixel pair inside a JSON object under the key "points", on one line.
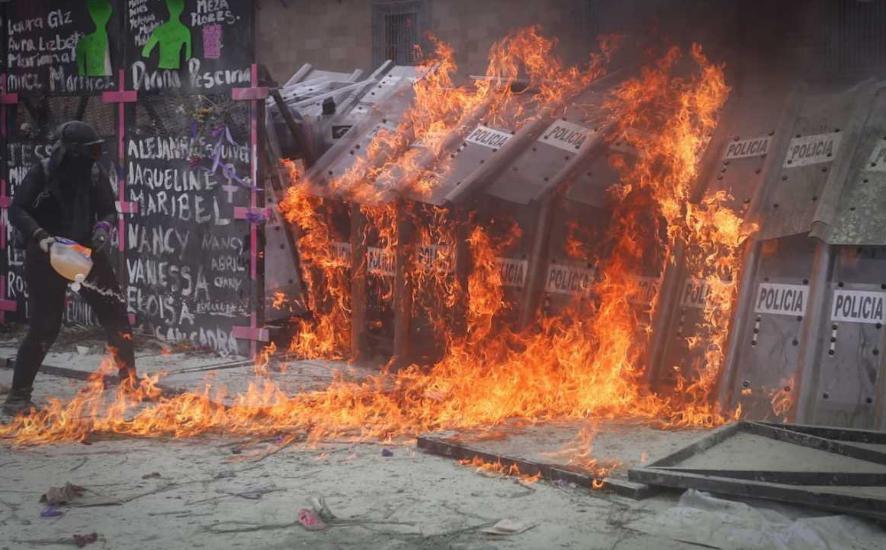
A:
{"points": [[67, 195]]}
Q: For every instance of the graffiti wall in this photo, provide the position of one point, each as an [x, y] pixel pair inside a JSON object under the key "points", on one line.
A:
{"points": [[171, 87]]}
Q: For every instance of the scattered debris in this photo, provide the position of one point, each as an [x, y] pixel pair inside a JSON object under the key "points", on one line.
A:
{"points": [[62, 495], [508, 526], [255, 494], [322, 510], [78, 540], [51, 512], [76, 495], [83, 540], [152, 475], [247, 527], [252, 494], [310, 520], [283, 443]]}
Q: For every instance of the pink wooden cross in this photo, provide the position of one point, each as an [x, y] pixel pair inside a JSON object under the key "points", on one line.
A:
{"points": [[6, 99], [121, 96], [254, 93]]}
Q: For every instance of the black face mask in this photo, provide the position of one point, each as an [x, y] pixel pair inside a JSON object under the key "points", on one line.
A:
{"points": [[74, 158], [76, 169]]}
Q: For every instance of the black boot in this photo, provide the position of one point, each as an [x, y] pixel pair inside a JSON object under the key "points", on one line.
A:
{"points": [[18, 401]]}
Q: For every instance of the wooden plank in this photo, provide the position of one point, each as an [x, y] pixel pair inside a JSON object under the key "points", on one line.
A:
{"points": [[814, 442], [838, 434], [791, 477], [815, 498], [549, 472], [107, 380]]}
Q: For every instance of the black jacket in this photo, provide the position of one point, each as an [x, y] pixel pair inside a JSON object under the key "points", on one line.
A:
{"points": [[41, 202]]}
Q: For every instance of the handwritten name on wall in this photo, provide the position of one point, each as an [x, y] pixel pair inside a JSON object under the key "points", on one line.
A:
{"points": [[186, 256], [189, 45], [60, 47]]}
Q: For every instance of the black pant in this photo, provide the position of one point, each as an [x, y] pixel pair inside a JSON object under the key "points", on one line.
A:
{"points": [[46, 302]]}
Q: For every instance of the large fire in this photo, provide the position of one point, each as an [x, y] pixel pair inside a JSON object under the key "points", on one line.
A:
{"points": [[584, 363]]}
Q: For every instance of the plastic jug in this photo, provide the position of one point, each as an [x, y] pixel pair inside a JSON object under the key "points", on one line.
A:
{"points": [[70, 260]]}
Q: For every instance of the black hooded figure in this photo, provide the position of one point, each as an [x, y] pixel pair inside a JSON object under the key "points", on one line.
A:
{"points": [[67, 196]]}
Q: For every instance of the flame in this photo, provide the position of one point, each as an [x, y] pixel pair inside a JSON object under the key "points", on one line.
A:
{"points": [[584, 363], [327, 333], [580, 454], [499, 469], [264, 359], [409, 157], [783, 398]]}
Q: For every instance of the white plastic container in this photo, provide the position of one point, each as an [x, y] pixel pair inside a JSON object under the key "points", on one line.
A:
{"points": [[70, 260]]}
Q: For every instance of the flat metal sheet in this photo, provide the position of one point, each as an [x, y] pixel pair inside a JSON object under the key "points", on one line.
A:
{"points": [[534, 171], [861, 212], [818, 148], [769, 349]]}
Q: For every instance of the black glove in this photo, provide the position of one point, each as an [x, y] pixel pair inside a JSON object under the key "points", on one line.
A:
{"points": [[43, 239], [101, 236]]}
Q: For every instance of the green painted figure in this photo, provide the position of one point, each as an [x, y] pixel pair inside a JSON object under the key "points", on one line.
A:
{"points": [[93, 56], [171, 36]]}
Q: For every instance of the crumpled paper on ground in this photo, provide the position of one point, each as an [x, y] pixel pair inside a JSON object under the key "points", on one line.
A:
{"points": [[700, 518], [508, 526]]}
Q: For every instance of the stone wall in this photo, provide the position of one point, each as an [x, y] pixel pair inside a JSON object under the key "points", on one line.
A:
{"points": [[337, 34]]}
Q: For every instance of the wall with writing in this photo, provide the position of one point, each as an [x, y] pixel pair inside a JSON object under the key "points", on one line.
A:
{"points": [[195, 46], [178, 151], [187, 257], [62, 47]]}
